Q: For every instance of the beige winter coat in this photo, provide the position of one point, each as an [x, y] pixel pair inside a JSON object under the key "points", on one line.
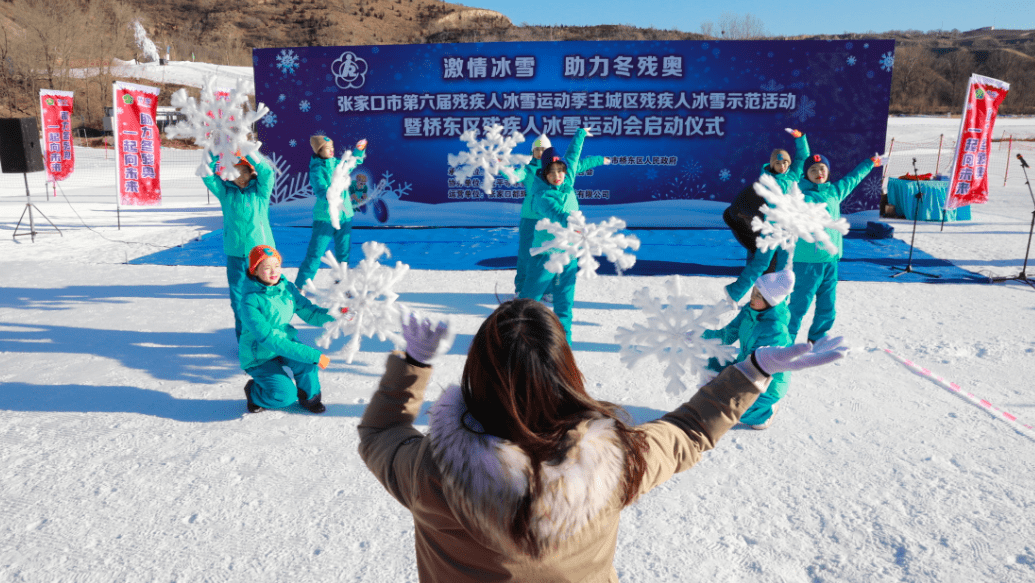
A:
{"points": [[463, 486]]}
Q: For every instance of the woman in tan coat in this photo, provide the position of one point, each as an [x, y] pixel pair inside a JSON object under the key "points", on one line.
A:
{"points": [[523, 475]]}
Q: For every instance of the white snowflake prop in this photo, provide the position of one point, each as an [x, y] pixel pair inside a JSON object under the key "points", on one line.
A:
{"points": [[221, 127], [492, 155], [788, 217], [368, 293], [583, 241], [340, 180], [673, 335]]}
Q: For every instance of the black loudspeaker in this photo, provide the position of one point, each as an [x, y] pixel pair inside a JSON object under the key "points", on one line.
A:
{"points": [[20, 145]]}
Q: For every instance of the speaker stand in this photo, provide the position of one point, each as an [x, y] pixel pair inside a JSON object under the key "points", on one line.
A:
{"points": [[28, 209]]}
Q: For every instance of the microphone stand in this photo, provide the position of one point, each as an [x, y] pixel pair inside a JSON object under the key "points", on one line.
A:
{"points": [[1023, 276], [916, 215]]}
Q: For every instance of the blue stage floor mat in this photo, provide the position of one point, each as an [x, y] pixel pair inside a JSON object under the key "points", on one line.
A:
{"points": [[710, 252]]}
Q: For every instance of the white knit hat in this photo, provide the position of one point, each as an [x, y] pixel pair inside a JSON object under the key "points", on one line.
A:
{"points": [[775, 287], [541, 142]]}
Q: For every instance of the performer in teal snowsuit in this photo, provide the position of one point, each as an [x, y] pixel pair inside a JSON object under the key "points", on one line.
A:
{"points": [[321, 167], [268, 342], [245, 203], [554, 198], [815, 269], [526, 228], [786, 173], [762, 322]]}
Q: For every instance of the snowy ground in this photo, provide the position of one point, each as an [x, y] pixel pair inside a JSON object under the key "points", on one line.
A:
{"points": [[126, 453]]}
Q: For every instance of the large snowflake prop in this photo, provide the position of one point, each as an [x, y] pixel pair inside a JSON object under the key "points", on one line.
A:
{"points": [[583, 241], [368, 293], [673, 334], [788, 217], [221, 127], [341, 178], [491, 154]]}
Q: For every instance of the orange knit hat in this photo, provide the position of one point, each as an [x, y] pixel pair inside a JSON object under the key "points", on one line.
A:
{"points": [[260, 253], [242, 160]]}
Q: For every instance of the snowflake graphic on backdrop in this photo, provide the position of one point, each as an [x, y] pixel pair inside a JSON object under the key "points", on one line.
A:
{"points": [[285, 186], [771, 85], [281, 97], [292, 143], [693, 169], [724, 174], [269, 120], [806, 109], [287, 61], [683, 187], [866, 196], [304, 105], [887, 61], [652, 174], [850, 60]]}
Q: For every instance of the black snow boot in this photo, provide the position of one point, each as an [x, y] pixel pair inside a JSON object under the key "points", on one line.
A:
{"points": [[252, 407], [312, 405]]}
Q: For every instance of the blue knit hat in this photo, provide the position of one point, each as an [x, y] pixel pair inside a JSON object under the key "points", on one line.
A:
{"points": [[551, 155], [816, 159]]}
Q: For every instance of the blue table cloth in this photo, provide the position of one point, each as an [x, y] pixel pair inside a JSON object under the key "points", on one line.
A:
{"points": [[902, 194]]}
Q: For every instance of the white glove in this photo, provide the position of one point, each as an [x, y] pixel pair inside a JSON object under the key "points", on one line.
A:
{"points": [[606, 160], [773, 359], [425, 340], [589, 134], [826, 344], [729, 299]]}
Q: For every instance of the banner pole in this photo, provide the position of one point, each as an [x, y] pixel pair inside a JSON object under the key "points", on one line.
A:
{"points": [[1009, 148], [891, 149], [938, 162], [115, 150]]}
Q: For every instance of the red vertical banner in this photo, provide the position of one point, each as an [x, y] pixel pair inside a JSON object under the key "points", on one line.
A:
{"points": [[56, 115], [137, 144], [969, 183]]}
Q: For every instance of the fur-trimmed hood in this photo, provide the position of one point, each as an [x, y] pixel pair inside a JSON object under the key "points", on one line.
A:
{"points": [[485, 478]]}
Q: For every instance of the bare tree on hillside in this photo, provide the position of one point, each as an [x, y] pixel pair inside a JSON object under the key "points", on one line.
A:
{"points": [[956, 67], [733, 26], [914, 81]]}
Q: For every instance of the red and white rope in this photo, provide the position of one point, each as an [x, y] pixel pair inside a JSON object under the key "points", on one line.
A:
{"points": [[1009, 417]]}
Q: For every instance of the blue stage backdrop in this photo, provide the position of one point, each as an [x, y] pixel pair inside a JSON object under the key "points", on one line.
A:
{"points": [[688, 124]]}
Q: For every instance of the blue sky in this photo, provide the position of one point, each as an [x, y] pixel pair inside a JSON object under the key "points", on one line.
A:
{"points": [[780, 18]]}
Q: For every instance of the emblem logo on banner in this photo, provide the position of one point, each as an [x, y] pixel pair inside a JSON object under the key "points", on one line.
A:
{"points": [[56, 114], [969, 183], [137, 144], [349, 71]]}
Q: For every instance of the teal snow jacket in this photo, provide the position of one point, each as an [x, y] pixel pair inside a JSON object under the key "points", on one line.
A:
{"points": [[266, 312], [320, 172], [246, 211], [755, 329], [795, 172], [556, 203], [830, 194]]}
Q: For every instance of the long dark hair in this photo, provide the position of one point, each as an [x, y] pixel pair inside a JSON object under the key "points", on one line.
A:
{"points": [[521, 383]]}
